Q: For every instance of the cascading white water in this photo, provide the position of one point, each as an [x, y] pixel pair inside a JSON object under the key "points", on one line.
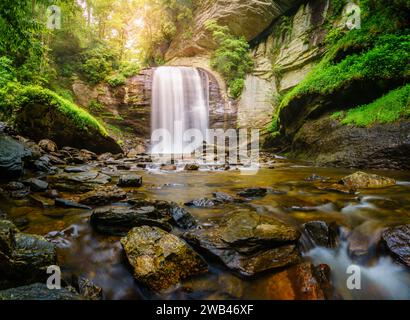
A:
{"points": [[179, 103]]}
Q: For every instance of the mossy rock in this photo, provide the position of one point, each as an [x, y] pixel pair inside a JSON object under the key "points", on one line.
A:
{"points": [[41, 114]]}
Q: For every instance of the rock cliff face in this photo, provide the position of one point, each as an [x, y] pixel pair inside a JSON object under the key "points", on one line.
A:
{"points": [[287, 39], [244, 18], [126, 106], [293, 46]]}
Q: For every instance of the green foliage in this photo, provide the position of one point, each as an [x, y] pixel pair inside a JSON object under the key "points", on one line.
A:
{"points": [[379, 50], [231, 58], [337, 6], [388, 59], [389, 108], [116, 80], [98, 62], [16, 96], [274, 126], [65, 94], [129, 69], [7, 71]]}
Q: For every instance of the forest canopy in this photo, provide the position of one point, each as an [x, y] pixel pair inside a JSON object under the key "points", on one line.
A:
{"points": [[97, 40]]}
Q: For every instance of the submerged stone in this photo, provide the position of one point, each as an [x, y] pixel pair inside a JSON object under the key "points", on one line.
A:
{"points": [[37, 184], [38, 291], [103, 196], [118, 220], [160, 259], [24, 258], [253, 192], [397, 242], [203, 203], [299, 282], [60, 202], [130, 180], [48, 145], [318, 233]]}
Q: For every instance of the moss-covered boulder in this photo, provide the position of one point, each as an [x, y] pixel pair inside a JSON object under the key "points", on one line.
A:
{"points": [[39, 113], [160, 259]]}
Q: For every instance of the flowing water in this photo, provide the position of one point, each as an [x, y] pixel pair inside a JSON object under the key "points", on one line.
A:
{"points": [[101, 258], [180, 98]]}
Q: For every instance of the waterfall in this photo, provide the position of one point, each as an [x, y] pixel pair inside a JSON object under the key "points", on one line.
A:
{"points": [[179, 103]]}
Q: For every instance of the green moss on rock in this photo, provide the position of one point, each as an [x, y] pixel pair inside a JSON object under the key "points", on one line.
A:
{"points": [[391, 107]]}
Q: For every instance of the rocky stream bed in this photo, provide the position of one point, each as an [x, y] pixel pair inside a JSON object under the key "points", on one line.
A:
{"points": [[123, 228]]}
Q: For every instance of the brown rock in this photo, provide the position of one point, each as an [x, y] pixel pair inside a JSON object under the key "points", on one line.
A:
{"points": [[160, 259], [48, 145]]}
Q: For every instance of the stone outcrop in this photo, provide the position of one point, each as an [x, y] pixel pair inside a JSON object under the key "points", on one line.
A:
{"points": [[326, 142], [292, 47], [248, 242], [118, 220], [126, 106], [244, 18]]}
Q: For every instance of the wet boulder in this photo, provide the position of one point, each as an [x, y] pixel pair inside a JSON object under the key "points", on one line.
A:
{"points": [[16, 190], [12, 157], [181, 217], [160, 259], [362, 180], [102, 196], [32, 255], [65, 203], [118, 220], [223, 197], [78, 182], [248, 242], [37, 184], [38, 291], [203, 203], [362, 242], [44, 164], [336, 188], [130, 180], [191, 167], [318, 233], [48, 145], [253, 192], [397, 242]]}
